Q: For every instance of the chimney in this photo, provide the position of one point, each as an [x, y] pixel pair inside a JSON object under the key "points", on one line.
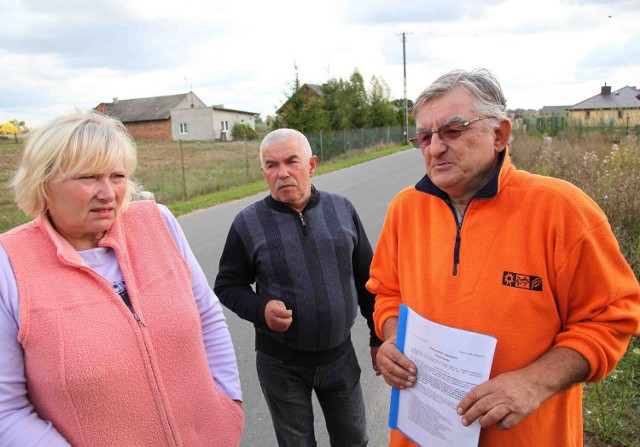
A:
{"points": [[115, 100], [606, 90]]}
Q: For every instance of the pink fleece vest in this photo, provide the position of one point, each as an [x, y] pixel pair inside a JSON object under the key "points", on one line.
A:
{"points": [[104, 375]]}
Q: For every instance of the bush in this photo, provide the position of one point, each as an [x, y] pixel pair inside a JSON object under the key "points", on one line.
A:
{"points": [[241, 131]]}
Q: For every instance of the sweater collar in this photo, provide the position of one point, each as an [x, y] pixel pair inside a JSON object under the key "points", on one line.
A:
{"points": [[489, 190], [285, 208]]}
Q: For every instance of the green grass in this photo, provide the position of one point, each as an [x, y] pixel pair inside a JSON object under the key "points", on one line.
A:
{"points": [[612, 407]]}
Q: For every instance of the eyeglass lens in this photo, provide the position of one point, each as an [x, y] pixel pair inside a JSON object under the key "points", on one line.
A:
{"points": [[446, 133]]}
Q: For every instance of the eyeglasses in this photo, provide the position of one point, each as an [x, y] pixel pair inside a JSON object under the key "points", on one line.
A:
{"points": [[446, 133]]}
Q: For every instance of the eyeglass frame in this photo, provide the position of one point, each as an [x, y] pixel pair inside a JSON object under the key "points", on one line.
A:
{"points": [[462, 127]]}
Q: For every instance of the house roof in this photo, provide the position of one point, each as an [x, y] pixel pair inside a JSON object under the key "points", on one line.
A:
{"points": [[625, 98], [146, 109], [235, 111], [316, 88], [553, 109]]}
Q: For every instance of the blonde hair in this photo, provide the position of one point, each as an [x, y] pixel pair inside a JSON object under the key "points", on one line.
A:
{"points": [[77, 143]]}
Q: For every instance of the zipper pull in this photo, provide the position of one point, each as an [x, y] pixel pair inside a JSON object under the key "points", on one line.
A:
{"points": [[138, 319], [301, 217]]}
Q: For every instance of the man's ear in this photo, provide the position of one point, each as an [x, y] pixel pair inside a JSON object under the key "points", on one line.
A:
{"points": [[313, 162], [502, 135]]}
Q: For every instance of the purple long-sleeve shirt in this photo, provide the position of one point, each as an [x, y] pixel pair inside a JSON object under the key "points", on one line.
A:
{"points": [[19, 423]]}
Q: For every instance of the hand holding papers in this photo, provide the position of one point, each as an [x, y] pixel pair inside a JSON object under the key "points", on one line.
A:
{"points": [[450, 362]]}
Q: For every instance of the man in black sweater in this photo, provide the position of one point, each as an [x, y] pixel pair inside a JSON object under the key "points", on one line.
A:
{"points": [[308, 255]]}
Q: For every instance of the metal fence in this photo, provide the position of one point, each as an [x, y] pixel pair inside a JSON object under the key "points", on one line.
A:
{"points": [[330, 144]]}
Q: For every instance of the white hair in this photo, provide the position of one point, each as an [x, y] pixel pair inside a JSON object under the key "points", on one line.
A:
{"points": [[282, 135]]}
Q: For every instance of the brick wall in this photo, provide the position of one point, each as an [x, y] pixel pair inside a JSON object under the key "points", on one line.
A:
{"points": [[150, 130]]}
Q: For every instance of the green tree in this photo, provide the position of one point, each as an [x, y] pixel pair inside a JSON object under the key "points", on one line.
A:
{"points": [[303, 109], [241, 131], [382, 110], [335, 98], [399, 106], [358, 102]]}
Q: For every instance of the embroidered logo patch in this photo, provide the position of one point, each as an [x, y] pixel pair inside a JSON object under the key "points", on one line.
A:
{"points": [[520, 281]]}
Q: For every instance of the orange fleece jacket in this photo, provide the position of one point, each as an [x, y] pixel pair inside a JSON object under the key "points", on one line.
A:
{"points": [[538, 268], [105, 375]]}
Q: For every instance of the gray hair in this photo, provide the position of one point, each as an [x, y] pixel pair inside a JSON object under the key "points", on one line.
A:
{"points": [[480, 83], [282, 135]]}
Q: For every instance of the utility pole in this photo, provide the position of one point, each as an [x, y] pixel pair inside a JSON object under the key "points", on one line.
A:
{"points": [[406, 108]]}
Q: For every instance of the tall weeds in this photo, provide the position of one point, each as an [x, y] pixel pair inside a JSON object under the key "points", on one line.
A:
{"points": [[608, 172]]}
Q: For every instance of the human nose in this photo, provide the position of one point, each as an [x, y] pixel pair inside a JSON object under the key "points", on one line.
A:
{"points": [[283, 171], [106, 190], [437, 145]]}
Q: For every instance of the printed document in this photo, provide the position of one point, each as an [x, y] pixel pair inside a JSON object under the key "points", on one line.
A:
{"points": [[450, 362]]}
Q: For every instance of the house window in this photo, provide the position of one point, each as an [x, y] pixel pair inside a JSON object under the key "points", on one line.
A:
{"points": [[183, 128], [224, 126], [620, 114], [587, 114]]}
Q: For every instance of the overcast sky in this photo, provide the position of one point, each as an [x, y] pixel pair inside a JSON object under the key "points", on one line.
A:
{"points": [[57, 55]]}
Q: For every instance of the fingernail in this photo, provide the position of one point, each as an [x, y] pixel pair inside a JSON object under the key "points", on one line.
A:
{"points": [[460, 411], [464, 422], [412, 370]]}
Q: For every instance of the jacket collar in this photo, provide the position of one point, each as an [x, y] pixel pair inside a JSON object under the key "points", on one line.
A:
{"points": [[285, 208], [489, 190], [64, 249]]}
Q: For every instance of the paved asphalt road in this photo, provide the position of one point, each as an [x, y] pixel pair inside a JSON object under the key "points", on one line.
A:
{"points": [[370, 187]]}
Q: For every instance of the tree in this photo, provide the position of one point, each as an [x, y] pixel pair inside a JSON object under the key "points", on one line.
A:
{"points": [[382, 110], [13, 127], [241, 131], [399, 105], [340, 104], [358, 104], [269, 121], [303, 109], [335, 98]]}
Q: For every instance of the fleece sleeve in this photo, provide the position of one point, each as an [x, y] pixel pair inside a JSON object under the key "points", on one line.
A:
{"points": [[383, 281], [599, 301], [235, 276], [19, 423], [217, 339]]}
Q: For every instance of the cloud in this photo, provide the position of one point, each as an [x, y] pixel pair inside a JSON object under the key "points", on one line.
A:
{"points": [[60, 54], [90, 37], [414, 11], [612, 55]]}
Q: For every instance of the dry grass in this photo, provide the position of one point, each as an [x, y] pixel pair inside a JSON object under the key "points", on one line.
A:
{"points": [[207, 167], [609, 173]]}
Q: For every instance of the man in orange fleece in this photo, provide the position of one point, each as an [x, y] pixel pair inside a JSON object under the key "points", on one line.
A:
{"points": [[531, 260]]}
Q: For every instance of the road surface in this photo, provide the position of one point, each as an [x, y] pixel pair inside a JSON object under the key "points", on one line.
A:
{"points": [[370, 187]]}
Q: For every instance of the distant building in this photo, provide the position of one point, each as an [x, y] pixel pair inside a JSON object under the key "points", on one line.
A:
{"points": [[307, 92], [549, 111], [620, 108], [176, 117]]}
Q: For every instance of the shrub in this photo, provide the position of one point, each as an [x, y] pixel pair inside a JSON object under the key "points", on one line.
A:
{"points": [[241, 131]]}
